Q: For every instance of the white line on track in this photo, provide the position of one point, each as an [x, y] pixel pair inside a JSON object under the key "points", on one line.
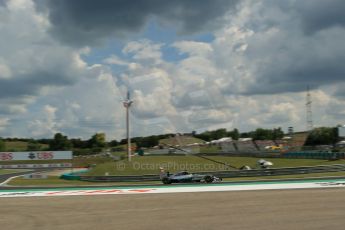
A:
{"points": [[174, 189], [11, 178]]}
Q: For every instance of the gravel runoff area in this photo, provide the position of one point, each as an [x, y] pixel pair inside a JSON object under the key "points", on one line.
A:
{"points": [[261, 210]]}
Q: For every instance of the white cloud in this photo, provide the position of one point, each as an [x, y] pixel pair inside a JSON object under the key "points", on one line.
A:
{"points": [[5, 72], [30, 59], [47, 87], [252, 74], [193, 48], [47, 126], [115, 60], [4, 122], [144, 50]]}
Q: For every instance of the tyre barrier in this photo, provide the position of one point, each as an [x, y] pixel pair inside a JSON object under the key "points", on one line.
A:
{"points": [[73, 175], [315, 155], [226, 174], [281, 171]]}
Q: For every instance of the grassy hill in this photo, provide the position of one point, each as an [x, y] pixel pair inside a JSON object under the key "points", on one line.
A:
{"points": [[151, 164], [17, 146], [298, 140], [181, 140]]}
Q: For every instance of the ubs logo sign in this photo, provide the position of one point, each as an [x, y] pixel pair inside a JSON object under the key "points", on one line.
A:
{"points": [[6, 156], [32, 156], [41, 156], [45, 156]]}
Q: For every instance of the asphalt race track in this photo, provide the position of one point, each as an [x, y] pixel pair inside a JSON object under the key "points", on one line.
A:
{"points": [[4, 177], [270, 209]]}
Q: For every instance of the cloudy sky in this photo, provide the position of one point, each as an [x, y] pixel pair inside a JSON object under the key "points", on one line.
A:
{"points": [[65, 65]]}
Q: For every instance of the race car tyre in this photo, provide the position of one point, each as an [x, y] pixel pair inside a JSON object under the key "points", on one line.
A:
{"points": [[166, 180], [208, 179]]}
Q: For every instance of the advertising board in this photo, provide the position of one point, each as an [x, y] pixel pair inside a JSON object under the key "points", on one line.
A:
{"points": [[35, 166], [40, 155]]}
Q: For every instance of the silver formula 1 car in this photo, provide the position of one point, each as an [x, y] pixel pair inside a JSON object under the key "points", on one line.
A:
{"points": [[186, 177]]}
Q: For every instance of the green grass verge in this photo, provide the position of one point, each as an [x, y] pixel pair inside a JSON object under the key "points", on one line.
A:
{"points": [[55, 181], [277, 162], [297, 176], [16, 145], [51, 180], [21, 146], [209, 149], [79, 161], [151, 164], [9, 171]]}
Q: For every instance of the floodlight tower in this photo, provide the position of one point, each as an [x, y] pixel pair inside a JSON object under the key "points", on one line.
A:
{"points": [[309, 112], [127, 104]]}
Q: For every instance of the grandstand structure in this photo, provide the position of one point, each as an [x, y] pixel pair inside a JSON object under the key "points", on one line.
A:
{"points": [[293, 143], [263, 144], [246, 146], [228, 146], [288, 147], [238, 146]]}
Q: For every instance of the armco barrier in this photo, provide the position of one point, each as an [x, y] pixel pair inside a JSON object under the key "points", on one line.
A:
{"points": [[314, 155], [120, 178], [278, 154], [226, 174], [281, 171]]}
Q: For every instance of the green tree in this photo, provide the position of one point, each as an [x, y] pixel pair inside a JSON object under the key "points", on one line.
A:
{"points": [[323, 136], [123, 141], [219, 133], [206, 136], [266, 134], [151, 141], [234, 134], [245, 135], [2, 145], [60, 142], [277, 133], [113, 143], [97, 141], [261, 134], [78, 143], [146, 142]]}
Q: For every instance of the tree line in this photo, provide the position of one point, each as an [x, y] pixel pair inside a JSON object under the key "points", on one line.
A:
{"points": [[97, 142]]}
